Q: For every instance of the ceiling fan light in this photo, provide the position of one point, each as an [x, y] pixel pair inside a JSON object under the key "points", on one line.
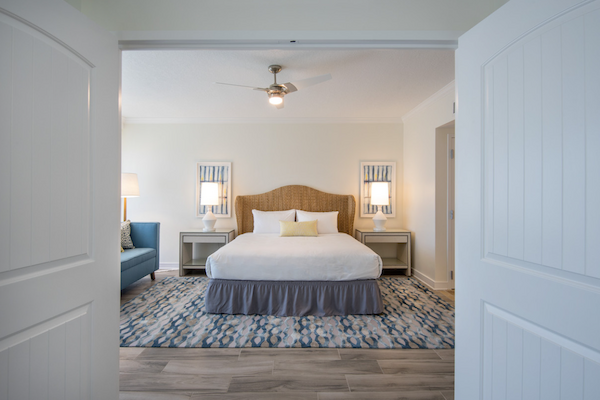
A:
{"points": [[275, 99]]}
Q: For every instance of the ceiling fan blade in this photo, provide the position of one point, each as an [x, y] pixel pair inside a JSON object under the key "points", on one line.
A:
{"points": [[244, 86], [301, 84]]}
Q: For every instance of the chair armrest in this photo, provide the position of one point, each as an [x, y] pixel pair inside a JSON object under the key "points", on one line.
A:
{"points": [[146, 234]]}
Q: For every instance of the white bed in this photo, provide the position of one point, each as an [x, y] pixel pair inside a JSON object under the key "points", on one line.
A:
{"points": [[270, 257], [329, 274]]}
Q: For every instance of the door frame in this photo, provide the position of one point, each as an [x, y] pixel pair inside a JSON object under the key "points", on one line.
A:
{"points": [[450, 190], [443, 252]]}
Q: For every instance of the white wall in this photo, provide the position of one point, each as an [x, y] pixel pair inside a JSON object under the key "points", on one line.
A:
{"points": [[75, 3], [264, 157], [275, 20], [419, 208]]}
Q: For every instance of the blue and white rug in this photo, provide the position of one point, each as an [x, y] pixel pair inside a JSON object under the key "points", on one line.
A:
{"points": [[171, 314]]}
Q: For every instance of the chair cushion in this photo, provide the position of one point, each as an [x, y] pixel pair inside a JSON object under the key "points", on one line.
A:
{"points": [[132, 257]]}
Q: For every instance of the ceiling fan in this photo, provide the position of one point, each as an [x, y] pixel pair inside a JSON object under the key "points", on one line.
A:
{"points": [[277, 90]]}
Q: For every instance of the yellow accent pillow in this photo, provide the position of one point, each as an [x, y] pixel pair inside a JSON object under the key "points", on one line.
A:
{"points": [[291, 228]]}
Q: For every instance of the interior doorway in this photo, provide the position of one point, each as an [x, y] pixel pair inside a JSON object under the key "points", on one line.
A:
{"points": [[444, 208], [451, 208]]}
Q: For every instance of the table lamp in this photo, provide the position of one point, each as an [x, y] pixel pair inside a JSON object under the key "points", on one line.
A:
{"points": [[209, 196], [379, 197], [129, 188]]}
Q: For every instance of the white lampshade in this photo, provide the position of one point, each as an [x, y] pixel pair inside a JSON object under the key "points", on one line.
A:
{"points": [[380, 195], [209, 195], [129, 185]]}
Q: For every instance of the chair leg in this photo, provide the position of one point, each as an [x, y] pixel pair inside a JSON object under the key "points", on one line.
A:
{"points": [[152, 276]]}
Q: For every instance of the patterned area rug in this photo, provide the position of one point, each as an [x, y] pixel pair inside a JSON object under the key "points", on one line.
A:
{"points": [[171, 314]]}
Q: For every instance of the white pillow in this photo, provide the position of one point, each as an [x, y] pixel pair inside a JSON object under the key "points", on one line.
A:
{"points": [[326, 221], [268, 221]]}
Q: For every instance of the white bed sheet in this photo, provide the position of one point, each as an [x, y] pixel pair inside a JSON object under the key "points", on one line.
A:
{"points": [[269, 257]]}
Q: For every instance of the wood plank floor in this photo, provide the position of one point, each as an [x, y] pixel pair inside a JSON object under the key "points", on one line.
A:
{"points": [[294, 374]]}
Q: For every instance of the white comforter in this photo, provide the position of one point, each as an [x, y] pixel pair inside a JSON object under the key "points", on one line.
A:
{"points": [[328, 257]]}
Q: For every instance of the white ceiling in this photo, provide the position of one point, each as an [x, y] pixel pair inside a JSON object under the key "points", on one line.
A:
{"points": [[371, 85]]}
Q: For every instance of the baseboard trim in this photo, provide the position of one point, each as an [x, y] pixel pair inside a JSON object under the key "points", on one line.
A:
{"points": [[435, 285], [168, 265]]}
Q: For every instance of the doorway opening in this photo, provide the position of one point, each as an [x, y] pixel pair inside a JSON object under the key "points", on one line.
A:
{"points": [[444, 206]]}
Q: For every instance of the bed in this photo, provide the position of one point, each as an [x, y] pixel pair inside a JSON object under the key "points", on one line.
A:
{"points": [[330, 274]]}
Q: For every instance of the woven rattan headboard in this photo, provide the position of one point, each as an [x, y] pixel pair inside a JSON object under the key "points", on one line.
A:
{"points": [[295, 197]]}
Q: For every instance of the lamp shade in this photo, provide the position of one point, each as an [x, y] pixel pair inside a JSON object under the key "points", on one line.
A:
{"points": [[380, 194], [209, 195], [129, 185]]}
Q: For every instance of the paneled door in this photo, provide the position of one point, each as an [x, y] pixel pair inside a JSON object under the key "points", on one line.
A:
{"points": [[59, 204], [528, 196]]}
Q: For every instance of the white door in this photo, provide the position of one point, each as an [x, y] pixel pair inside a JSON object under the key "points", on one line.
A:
{"points": [[59, 204], [528, 196]]}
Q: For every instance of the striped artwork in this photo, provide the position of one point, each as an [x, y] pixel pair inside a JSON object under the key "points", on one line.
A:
{"points": [[219, 172], [377, 172]]}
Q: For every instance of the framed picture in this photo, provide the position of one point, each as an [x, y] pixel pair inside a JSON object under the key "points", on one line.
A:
{"points": [[219, 172], [377, 171]]}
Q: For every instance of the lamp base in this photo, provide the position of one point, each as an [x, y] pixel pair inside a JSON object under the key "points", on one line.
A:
{"points": [[209, 222], [379, 220]]}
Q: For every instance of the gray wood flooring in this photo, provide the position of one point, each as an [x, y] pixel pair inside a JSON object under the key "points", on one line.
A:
{"points": [[294, 374]]}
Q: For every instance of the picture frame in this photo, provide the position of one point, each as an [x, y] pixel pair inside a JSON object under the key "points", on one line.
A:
{"points": [[219, 172], [377, 171]]}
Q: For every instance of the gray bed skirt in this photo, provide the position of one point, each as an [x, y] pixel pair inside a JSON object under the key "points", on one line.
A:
{"points": [[293, 298]]}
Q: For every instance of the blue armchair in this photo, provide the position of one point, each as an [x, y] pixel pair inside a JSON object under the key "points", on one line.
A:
{"points": [[143, 260]]}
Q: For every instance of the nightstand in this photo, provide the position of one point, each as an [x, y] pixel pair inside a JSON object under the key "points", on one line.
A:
{"points": [[195, 247], [392, 245]]}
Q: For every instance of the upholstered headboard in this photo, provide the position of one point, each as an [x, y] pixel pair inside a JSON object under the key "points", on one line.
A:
{"points": [[299, 198]]}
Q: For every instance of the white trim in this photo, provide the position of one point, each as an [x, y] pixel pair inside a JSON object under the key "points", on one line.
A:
{"points": [[449, 87], [31, 332], [385, 39], [435, 285], [169, 265], [341, 120], [545, 333], [286, 44]]}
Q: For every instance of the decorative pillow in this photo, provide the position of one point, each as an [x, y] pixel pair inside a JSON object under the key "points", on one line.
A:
{"points": [[268, 221], [326, 221], [122, 251], [291, 228], [126, 242]]}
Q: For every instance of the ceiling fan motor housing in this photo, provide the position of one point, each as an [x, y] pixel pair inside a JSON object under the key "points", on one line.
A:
{"points": [[275, 68], [276, 88]]}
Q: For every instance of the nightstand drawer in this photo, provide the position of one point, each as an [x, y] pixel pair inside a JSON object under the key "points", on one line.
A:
{"points": [[204, 239], [386, 238]]}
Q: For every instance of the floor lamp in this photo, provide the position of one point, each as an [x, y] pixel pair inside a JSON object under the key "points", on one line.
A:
{"points": [[129, 188]]}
